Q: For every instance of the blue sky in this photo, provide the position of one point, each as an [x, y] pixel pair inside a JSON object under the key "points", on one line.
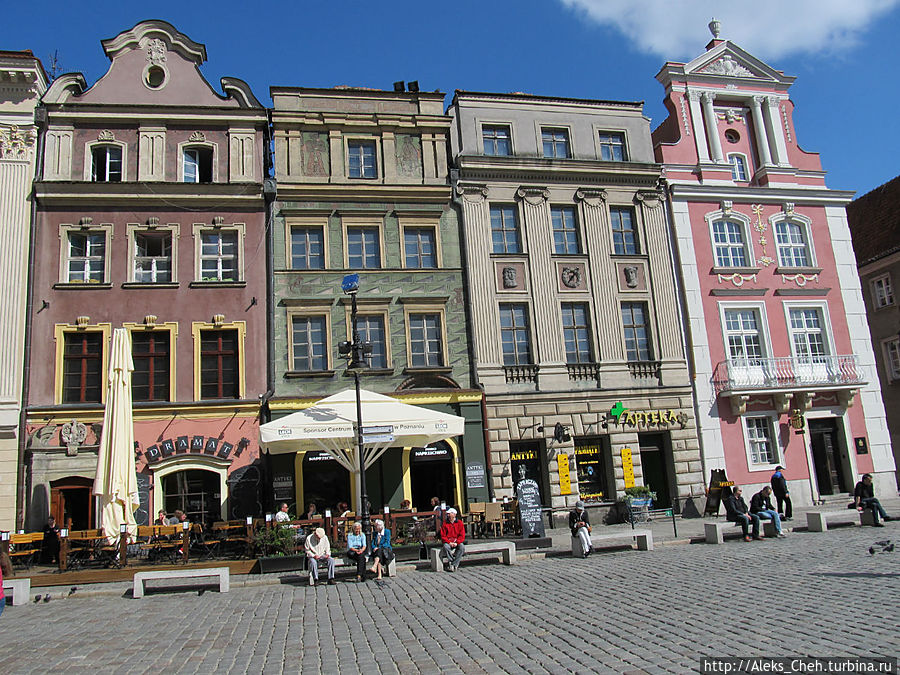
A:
{"points": [[843, 54]]}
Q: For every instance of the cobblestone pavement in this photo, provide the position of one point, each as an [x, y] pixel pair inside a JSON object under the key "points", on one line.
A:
{"points": [[621, 612]]}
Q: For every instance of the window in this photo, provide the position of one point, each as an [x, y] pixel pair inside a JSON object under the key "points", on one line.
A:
{"points": [[505, 229], [198, 165], [425, 342], [624, 235], [309, 335], [892, 358], [361, 159], [576, 333], [612, 147], [743, 336], [363, 249], [728, 241], [419, 246], [86, 257], [514, 335], [219, 376], [556, 143], [882, 292], [808, 334], [496, 140], [565, 231], [371, 330], [106, 164], [637, 332], [151, 353], [307, 248], [760, 435], [738, 167], [790, 239], [83, 367], [153, 258], [219, 255]]}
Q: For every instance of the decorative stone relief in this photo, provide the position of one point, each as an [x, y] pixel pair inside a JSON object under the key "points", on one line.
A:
{"points": [[649, 199], [684, 116], [156, 52], [197, 137], [509, 277], [314, 153], [630, 272], [800, 279], [694, 95], [473, 193], [727, 206], [726, 66], [787, 128], [106, 135], [408, 149], [732, 115], [73, 434], [16, 143], [631, 276], [82, 321], [737, 279], [765, 259], [594, 198], [788, 208], [533, 195], [570, 277], [218, 320]]}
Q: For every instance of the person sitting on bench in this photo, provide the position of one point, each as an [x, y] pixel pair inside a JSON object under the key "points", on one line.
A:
{"points": [[864, 498], [761, 505], [453, 536], [736, 511], [581, 527], [318, 552]]}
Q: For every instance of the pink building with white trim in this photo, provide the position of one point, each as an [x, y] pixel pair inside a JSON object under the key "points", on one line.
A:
{"points": [[775, 315]]}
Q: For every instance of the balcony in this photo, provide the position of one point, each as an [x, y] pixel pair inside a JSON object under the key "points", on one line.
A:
{"points": [[787, 375], [521, 373]]}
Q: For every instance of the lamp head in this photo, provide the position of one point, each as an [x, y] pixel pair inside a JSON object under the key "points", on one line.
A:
{"points": [[350, 284]]}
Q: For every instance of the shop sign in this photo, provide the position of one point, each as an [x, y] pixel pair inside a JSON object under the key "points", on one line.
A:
{"points": [[628, 467], [382, 434], [283, 486], [523, 455], [565, 480], [474, 475], [590, 472], [430, 454], [647, 418], [196, 445], [319, 456]]}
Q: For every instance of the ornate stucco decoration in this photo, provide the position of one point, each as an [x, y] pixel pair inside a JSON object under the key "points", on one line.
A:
{"points": [[649, 199], [788, 208], [509, 277], [787, 128], [150, 320], [765, 259], [218, 320], [800, 279], [737, 278], [85, 221], [594, 198], [732, 115], [570, 276], [218, 221], [82, 321], [533, 195], [156, 51], [197, 137], [631, 276], [472, 192], [684, 116], [727, 206], [726, 66], [106, 135], [73, 434], [152, 221], [16, 143]]}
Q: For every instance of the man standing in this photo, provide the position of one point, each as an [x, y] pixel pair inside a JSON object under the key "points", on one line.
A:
{"points": [[736, 511], [318, 552], [581, 527], [782, 494], [453, 534], [761, 505], [864, 498]]}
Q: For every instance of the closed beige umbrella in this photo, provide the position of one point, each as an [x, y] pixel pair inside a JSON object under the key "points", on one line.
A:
{"points": [[116, 479]]}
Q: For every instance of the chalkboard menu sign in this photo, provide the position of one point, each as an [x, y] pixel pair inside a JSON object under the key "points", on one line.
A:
{"points": [[142, 515], [529, 495], [719, 490]]}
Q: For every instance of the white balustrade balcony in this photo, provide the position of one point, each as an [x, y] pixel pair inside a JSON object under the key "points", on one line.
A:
{"points": [[787, 373]]}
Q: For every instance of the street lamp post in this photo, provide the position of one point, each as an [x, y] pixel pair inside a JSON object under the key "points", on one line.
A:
{"points": [[356, 351]]}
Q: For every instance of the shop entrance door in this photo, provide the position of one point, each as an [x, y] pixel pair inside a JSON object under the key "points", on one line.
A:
{"points": [[655, 465], [827, 456], [71, 502], [432, 475]]}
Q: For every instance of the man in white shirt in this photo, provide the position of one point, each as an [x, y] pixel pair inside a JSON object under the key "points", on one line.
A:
{"points": [[318, 552], [282, 515]]}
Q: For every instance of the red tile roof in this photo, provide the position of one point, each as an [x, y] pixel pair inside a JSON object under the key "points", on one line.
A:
{"points": [[875, 222]]}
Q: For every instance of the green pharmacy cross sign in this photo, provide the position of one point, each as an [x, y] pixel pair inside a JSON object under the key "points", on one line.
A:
{"points": [[646, 418]]}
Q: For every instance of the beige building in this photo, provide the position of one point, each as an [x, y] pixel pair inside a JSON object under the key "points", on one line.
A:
{"points": [[22, 81], [575, 323]]}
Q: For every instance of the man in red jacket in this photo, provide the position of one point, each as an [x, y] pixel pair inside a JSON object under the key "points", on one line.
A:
{"points": [[453, 534]]}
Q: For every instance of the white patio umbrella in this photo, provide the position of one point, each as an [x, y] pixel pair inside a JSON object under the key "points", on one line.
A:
{"points": [[116, 479], [329, 425]]}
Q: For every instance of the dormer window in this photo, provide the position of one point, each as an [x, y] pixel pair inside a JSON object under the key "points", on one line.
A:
{"points": [[738, 167], [106, 164], [198, 162]]}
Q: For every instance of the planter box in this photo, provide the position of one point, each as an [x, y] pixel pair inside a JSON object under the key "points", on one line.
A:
{"points": [[282, 563]]}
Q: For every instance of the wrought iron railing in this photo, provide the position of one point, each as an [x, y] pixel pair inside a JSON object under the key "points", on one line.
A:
{"points": [[521, 373], [786, 371]]}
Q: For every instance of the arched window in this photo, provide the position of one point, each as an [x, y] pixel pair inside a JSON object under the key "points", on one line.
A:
{"points": [[738, 167]]}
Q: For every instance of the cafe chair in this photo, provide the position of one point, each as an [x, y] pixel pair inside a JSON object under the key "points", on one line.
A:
{"points": [[493, 517]]}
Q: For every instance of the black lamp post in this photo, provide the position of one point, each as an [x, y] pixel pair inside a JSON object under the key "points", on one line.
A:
{"points": [[356, 351]]}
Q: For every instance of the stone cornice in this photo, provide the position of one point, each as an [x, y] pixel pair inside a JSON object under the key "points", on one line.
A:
{"points": [[71, 113], [357, 193], [229, 195], [777, 195], [534, 170]]}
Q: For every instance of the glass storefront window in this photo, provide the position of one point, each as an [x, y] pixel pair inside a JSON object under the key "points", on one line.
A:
{"points": [[591, 460]]}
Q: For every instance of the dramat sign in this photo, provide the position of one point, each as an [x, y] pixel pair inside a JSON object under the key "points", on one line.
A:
{"points": [[647, 418], [198, 445]]}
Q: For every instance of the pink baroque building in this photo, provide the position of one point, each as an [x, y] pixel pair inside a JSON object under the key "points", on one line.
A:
{"points": [[783, 361]]}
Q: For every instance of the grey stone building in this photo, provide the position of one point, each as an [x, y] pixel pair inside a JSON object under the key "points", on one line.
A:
{"points": [[575, 323]]}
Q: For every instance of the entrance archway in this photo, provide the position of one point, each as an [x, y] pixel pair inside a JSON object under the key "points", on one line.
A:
{"points": [[71, 502]]}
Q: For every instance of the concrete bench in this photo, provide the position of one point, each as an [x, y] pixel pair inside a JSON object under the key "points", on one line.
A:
{"points": [[643, 539], [21, 590], [506, 548], [140, 578], [346, 564], [817, 521], [715, 532]]}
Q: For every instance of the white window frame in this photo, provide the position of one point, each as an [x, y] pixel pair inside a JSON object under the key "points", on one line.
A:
{"points": [[806, 226], [744, 221], [200, 228], [311, 223], [369, 222], [132, 231], [89, 159], [187, 145], [891, 350], [375, 309], [819, 305], [64, 230], [320, 313], [748, 374], [885, 280], [419, 309], [379, 157], [421, 223], [734, 168], [773, 424]]}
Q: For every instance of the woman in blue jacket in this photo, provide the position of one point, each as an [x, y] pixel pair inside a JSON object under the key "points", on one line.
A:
{"points": [[382, 552]]}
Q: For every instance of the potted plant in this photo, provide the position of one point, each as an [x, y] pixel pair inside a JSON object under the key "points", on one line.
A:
{"points": [[277, 550], [636, 501]]}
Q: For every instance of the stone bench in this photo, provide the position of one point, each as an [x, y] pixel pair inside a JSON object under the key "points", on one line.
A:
{"points": [[715, 532], [643, 539], [21, 590], [140, 578], [346, 564], [506, 548], [817, 521]]}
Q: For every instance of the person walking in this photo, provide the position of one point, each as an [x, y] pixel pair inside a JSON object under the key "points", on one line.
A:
{"points": [[580, 525], [782, 494]]}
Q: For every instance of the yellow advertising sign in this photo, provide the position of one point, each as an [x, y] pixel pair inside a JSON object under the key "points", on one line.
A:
{"points": [[565, 480], [628, 467]]}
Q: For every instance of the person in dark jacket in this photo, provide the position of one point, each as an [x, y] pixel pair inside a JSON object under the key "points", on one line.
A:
{"points": [[781, 492], [736, 511], [761, 505], [580, 525], [864, 498]]}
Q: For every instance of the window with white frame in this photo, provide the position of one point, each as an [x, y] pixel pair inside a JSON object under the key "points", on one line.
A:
{"points": [[636, 331], [371, 329], [307, 248], [808, 335], [892, 358], [612, 146], [576, 332], [153, 257], [761, 438], [565, 230], [729, 244], [309, 338], [515, 335], [419, 247], [882, 292], [106, 163], [742, 333], [790, 240], [425, 340], [625, 240], [361, 161], [738, 167], [555, 143], [505, 229], [86, 257], [363, 248], [496, 140], [197, 165], [219, 255]]}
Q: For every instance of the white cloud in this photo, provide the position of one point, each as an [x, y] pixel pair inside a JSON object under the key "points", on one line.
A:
{"points": [[676, 29]]}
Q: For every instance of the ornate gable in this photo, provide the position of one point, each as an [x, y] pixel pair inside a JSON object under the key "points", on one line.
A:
{"points": [[727, 60]]}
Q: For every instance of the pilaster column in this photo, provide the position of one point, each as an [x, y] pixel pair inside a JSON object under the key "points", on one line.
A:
{"points": [[336, 148], [762, 138], [389, 157], [697, 124], [712, 127], [775, 131]]}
